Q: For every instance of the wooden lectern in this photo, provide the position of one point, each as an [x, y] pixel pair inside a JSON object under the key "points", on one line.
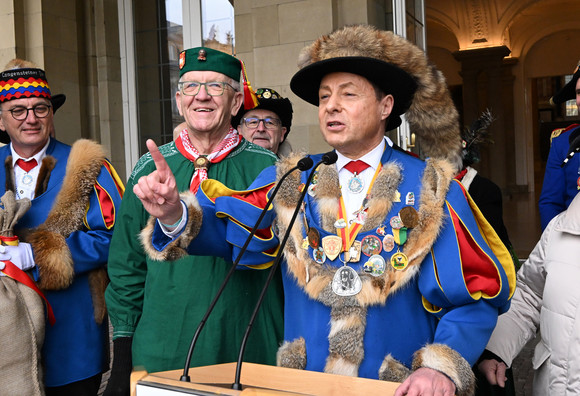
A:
{"points": [[256, 379]]}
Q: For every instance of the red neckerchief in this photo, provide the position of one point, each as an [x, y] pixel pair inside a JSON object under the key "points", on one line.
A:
{"points": [[185, 147]]}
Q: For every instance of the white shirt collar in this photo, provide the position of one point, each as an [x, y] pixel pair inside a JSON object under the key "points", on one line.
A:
{"points": [[373, 157], [38, 156]]}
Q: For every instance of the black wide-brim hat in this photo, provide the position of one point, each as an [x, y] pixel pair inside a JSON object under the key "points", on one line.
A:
{"points": [[568, 92], [389, 78]]}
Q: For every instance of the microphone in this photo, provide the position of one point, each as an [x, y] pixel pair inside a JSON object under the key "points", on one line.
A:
{"points": [[303, 165], [327, 159]]}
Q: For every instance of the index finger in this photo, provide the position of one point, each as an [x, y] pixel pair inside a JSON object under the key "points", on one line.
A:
{"points": [[159, 160]]}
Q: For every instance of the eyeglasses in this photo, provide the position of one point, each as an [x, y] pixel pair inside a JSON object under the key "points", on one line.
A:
{"points": [[21, 113], [269, 123], [213, 88]]}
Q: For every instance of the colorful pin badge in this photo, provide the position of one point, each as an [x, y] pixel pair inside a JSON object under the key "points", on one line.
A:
{"points": [[332, 245], [399, 261], [371, 245], [318, 255], [375, 265]]}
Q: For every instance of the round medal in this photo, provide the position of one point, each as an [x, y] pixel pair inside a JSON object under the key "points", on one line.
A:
{"points": [[26, 179], [318, 255], [375, 265], [201, 162], [409, 216], [399, 261], [371, 245], [388, 242], [396, 222], [313, 238], [346, 282], [355, 184]]}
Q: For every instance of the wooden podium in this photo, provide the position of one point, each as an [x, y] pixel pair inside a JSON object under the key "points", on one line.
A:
{"points": [[256, 379]]}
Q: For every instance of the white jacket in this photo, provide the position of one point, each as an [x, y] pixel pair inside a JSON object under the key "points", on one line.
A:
{"points": [[547, 298]]}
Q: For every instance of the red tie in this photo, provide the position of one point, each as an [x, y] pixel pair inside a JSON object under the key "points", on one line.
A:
{"points": [[26, 166], [356, 166]]}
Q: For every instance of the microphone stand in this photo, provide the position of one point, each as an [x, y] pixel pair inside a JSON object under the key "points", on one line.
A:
{"points": [[327, 159], [304, 164]]}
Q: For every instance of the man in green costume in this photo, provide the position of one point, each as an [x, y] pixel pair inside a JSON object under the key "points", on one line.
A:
{"points": [[155, 307]]}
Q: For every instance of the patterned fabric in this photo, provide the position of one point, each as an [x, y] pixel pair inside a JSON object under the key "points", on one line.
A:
{"points": [[23, 83], [185, 147]]}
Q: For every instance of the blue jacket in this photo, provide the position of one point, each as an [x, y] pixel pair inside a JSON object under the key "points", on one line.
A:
{"points": [[75, 347], [561, 184]]}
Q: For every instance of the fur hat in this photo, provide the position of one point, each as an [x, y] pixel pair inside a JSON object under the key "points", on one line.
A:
{"points": [[568, 92], [398, 67]]}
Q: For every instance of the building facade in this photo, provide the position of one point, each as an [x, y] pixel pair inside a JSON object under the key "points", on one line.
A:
{"points": [[117, 63]]}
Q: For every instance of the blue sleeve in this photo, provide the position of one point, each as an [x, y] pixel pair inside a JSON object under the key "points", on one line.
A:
{"points": [[228, 218], [89, 247], [553, 196], [468, 279]]}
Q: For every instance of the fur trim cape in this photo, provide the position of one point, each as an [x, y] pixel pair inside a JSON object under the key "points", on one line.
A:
{"points": [[51, 252]]}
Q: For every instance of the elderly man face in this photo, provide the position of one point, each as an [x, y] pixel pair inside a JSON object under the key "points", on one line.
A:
{"points": [[28, 122], [264, 128], [207, 111]]}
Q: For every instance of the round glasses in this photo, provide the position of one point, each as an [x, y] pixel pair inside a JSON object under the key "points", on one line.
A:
{"points": [[213, 88], [269, 123], [20, 113]]}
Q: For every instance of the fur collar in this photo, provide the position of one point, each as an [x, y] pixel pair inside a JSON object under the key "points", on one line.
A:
{"points": [[314, 278]]}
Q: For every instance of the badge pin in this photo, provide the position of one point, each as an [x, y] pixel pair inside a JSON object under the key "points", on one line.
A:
{"points": [[371, 245], [340, 223], [388, 243], [318, 255], [346, 282], [353, 254], [410, 198], [409, 216], [399, 261], [313, 238], [397, 196], [396, 222], [355, 184], [332, 245], [312, 190], [305, 243], [381, 230], [375, 265]]}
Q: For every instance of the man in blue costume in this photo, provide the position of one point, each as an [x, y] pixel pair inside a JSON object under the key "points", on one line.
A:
{"points": [[562, 179], [75, 194], [391, 273]]}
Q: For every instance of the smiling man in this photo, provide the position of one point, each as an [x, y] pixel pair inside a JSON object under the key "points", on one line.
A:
{"points": [[389, 273], [155, 306], [267, 124], [75, 195]]}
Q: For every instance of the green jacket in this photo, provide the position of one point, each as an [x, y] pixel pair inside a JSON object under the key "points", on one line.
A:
{"points": [[160, 304]]}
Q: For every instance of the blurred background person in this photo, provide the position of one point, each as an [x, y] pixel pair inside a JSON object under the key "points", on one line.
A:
{"points": [[562, 180]]}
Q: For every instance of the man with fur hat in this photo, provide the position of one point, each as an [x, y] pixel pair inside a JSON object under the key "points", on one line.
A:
{"points": [[390, 273], [562, 174], [75, 194], [155, 306], [267, 124]]}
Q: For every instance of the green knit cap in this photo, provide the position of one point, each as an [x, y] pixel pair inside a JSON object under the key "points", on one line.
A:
{"points": [[208, 59]]}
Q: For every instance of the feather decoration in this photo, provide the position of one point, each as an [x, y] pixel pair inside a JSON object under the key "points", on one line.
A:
{"points": [[474, 136]]}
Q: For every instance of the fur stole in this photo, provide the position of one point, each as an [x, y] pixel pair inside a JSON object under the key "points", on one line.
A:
{"points": [[348, 314], [52, 255]]}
